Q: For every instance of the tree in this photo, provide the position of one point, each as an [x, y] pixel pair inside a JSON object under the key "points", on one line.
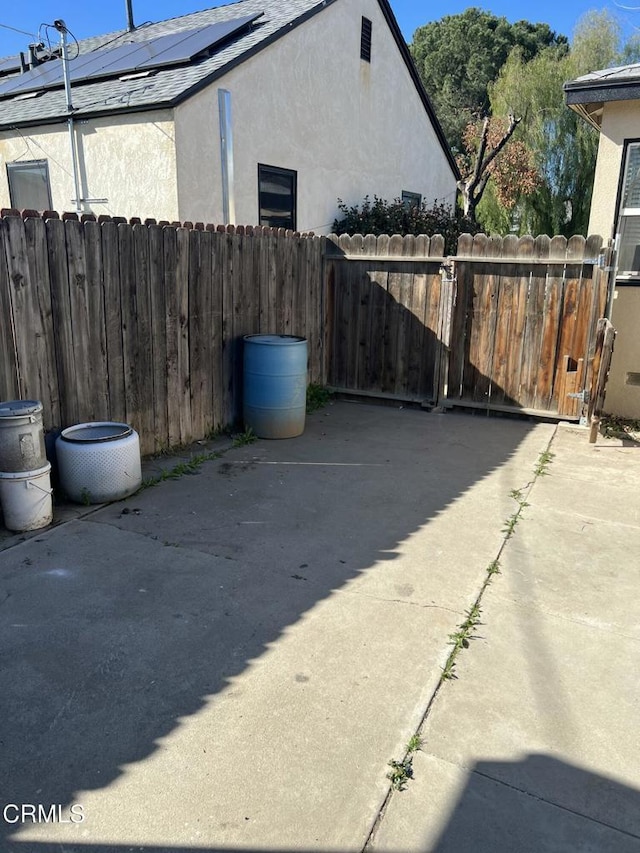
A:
{"points": [[564, 147], [490, 152], [460, 55]]}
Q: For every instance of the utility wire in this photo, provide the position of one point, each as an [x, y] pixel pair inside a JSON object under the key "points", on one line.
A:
{"points": [[22, 32]]}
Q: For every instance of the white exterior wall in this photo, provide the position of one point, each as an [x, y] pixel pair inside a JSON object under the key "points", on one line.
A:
{"points": [[620, 122], [128, 159], [310, 104]]}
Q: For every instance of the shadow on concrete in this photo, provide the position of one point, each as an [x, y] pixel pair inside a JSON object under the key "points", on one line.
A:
{"points": [[111, 639], [495, 812]]}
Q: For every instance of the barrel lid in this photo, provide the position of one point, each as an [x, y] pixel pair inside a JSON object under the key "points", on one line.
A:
{"points": [[96, 431], [18, 408], [274, 339]]}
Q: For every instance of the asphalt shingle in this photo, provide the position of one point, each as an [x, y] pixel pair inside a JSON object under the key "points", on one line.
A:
{"points": [[167, 86]]}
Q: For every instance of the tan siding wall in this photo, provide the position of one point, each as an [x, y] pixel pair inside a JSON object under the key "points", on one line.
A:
{"points": [[620, 122], [129, 160]]}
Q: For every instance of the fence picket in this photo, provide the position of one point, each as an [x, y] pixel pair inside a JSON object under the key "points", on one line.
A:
{"points": [[159, 312]]}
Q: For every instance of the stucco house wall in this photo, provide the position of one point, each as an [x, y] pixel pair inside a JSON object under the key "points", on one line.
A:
{"points": [[128, 159], [347, 127], [618, 122], [305, 102]]}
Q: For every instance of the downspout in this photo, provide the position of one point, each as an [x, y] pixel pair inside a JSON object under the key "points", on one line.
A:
{"points": [[226, 157], [62, 29]]}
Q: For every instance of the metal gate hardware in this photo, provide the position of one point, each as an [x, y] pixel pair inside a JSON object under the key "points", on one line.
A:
{"points": [[580, 395]]}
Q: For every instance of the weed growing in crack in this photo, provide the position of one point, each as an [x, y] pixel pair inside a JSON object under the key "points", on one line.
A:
{"points": [[190, 466], [493, 568], [461, 638], [415, 744], [244, 438], [544, 460], [401, 772]]}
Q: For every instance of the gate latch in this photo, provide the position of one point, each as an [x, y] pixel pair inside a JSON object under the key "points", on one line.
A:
{"points": [[580, 395]]}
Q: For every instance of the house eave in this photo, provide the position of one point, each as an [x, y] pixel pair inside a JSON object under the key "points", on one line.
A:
{"points": [[591, 113], [86, 116], [587, 99]]}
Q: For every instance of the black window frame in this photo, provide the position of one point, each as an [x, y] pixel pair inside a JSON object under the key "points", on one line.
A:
{"points": [[366, 35], [627, 219], [410, 199], [264, 170], [22, 166]]}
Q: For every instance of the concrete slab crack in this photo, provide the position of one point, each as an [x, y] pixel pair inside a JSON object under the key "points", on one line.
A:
{"points": [[460, 640]]}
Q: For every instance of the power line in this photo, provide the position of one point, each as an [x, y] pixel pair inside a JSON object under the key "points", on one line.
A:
{"points": [[22, 32]]}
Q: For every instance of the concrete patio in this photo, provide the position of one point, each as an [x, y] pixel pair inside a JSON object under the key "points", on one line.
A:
{"points": [[229, 660]]}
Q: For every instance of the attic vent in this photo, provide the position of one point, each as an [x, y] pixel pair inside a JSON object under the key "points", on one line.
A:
{"points": [[365, 40]]}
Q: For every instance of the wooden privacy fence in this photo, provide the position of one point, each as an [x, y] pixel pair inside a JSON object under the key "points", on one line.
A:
{"points": [[389, 311], [143, 323], [524, 323], [507, 324]]}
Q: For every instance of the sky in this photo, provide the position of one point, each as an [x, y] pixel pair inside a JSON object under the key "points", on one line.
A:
{"points": [[102, 16]]}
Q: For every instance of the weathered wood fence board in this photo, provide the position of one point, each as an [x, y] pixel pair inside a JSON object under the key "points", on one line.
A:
{"points": [[144, 323], [525, 321], [385, 311]]}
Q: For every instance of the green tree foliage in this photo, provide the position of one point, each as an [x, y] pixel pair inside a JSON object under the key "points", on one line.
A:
{"points": [[383, 217], [459, 56], [564, 146]]}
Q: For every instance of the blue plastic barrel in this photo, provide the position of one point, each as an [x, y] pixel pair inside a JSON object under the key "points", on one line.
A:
{"points": [[275, 385]]}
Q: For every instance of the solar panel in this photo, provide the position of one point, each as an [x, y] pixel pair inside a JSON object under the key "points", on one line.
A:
{"points": [[171, 49], [41, 77], [181, 47], [9, 64], [105, 62]]}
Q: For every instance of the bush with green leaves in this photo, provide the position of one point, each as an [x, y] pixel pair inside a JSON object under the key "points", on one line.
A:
{"points": [[384, 217]]}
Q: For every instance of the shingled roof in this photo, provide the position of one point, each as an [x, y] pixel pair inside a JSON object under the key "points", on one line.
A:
{"points": [[167, 87], [587, 94]]}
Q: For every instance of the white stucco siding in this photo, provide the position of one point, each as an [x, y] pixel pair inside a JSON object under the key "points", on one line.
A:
{"points": [[127, 159], [620, 122], [309, 103]]}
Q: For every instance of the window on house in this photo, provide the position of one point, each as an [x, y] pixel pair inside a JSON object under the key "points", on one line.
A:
{"points": [[277, 197], [411, 199], [29, 185], [365, 40], [629, 222]]}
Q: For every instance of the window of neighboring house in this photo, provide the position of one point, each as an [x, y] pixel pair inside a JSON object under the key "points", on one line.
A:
{"points": [[277, 190], [411, 199], [29, 185], [365, 40], [629, 222]]}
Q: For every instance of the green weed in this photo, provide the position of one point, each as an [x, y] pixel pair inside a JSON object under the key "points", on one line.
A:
{"points": [[401, 772], [544, 460], [317, 397], [415, 744], [244, 438]]}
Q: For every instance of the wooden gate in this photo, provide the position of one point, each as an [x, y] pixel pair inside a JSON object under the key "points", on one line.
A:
{"points": [[524, 323], [388, 310]]}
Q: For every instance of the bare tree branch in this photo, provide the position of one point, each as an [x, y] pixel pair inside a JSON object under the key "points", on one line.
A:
{"points": [[475, 184]]}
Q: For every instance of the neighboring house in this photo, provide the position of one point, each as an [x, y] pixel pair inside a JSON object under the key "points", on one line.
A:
{"points": [[610, 101], [260, 112]]}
